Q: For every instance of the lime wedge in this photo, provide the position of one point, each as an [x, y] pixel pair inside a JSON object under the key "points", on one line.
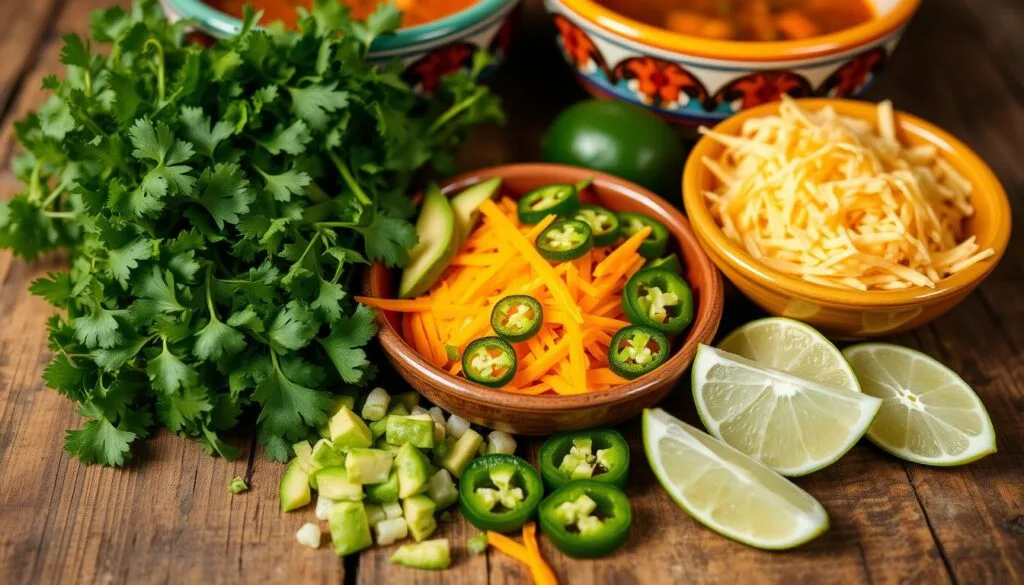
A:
{"points": [[727, 491], [792, 347], [793, 425], [929, 414]]}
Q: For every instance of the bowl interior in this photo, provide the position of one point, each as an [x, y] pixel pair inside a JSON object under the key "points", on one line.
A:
{"points": [[990, 222], [220, 23], [614, 194]]}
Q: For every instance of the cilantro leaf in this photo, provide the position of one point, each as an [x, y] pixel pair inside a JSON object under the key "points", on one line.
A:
{"points": [[55, 287], [121, 261], [226, 194], [293, 327], [344, 344], [98, 328], [288, 409], [99, 441], [389, 240], [315, 102], [178, 409], [291, 139], [283, 185], [197, 128], [217, 340], [168, 372]]}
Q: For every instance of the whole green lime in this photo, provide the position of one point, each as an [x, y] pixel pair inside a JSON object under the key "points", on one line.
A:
{"points": [[619, 139]]}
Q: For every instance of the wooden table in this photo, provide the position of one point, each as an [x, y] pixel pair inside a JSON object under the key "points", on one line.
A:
{"points": [[170, 519]]}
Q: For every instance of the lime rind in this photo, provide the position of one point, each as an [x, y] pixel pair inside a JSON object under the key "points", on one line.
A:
{"points": [[831, 367], [866, 406], [979, 445], [805, 515]]}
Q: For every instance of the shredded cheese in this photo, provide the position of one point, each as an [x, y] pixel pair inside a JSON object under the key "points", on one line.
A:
{"points": [[842, 202]]}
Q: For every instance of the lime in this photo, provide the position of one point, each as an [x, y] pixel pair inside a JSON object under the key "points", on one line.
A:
{"points": [[792, 347], [793, 425], [929, 414], [727, 491]]}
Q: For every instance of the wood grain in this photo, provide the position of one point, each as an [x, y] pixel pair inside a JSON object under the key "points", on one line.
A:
{"points": [[169, 517]]}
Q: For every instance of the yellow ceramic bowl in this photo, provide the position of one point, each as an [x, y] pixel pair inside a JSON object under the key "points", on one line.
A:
{"points": [[852, 314]]}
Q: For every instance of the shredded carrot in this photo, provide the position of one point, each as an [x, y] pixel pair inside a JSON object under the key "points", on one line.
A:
{"points": [[627, 249], [581, 300], [542, 573], [509, 547]]}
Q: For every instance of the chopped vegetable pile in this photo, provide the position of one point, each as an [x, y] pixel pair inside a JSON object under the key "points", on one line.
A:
{"points": [[534, 308], [213, 203]]}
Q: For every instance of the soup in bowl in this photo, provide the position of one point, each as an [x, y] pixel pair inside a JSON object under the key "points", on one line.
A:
{"points": [[700, 61], [437, 37]]}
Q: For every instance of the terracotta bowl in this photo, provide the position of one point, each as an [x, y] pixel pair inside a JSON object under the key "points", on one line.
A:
{"points": [[691, 80], [543, 415], [853, 314]]}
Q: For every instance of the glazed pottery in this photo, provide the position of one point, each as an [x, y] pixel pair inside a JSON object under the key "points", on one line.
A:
{"points": [[543, 415], [848, 313], [690, 80]]}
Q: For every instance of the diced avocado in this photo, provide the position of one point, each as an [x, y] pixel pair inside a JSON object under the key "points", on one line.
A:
{"points": [[348, 430], [466, 205], [441, 449], [294, 488], [442, 489], [368, 465], [431, 555], [410, 429], [437, 245], [462, 452], [383, 493], [374, 514], [343, 401], [413, 470], [419, 515], [333, 484], [398, 410], [324, 455], [378, 427], [350, 528], [407, 400], [303, 452]]}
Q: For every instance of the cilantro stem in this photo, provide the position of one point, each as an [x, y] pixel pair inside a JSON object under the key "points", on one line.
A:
{"points": [[60, 214], [349, 179], [160, 81], [335, 224], [308, 248], [54, 195], [457, 109], [209, 294]]}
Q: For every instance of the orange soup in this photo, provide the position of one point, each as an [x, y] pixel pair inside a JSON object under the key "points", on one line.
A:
{"points": [[747, 20], [416, 11]]}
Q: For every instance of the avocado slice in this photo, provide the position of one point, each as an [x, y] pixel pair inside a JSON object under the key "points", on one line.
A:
{"points": [[466, 204], [430, 554], [334, 484], [436, 248], [410, 429], [419, 515], [413, 470], [350, 528], [294, 488]]}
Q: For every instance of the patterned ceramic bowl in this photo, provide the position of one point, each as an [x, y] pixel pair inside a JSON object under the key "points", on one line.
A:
{"points": [[691, 80], [429, 51]]}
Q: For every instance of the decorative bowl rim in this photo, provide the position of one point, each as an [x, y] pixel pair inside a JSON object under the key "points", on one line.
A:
{"points": [[220, 23], [702, 330], [816, 47], [724, 251]]}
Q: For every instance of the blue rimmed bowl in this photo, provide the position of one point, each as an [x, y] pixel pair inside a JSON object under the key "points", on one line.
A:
{"points": [[428, 51]]}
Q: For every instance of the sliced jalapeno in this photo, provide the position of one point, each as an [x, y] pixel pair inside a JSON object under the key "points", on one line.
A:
{"points": [[602, 222], [586, 518], [517, 317], [499, 492], [658, 298], [556, 199], [670, 262], [565, 240], [636, 350], [601, 455], [655, 244], [490, 361]]}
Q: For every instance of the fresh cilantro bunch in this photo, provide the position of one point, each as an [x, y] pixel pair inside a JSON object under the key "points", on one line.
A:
{"points": [[215, 204]]}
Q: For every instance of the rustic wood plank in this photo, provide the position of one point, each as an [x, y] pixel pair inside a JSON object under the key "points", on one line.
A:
{"points": [[22, 27], [167, 518]]}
